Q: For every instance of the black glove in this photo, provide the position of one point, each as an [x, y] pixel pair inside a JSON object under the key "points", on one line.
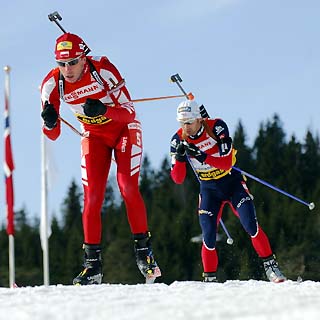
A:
{"points": [[49, 115], [94, 108], [181, 152], [224, 145], [194, 151]]}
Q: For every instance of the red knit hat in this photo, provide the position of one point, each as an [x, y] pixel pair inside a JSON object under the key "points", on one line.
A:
{"points": [[69, 46]]}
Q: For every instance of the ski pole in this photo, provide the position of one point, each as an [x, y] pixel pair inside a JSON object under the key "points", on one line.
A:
{"points": [[310, 205], [177, 79], [160, 98], [55, 17], [82, 134]]}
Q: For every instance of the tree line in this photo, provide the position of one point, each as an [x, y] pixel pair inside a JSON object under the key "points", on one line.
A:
{"points": [[293, 230]]}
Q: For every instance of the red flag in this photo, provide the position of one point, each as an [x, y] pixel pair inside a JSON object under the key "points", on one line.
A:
{"points": [[8, 163]]}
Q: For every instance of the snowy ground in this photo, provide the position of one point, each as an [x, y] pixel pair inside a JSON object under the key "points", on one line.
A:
{"points": [[181, 300]]}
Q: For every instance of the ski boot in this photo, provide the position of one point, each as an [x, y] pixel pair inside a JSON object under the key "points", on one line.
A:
{"points": [[92, 272], [209, 277], [272, 270], [144, 257]]}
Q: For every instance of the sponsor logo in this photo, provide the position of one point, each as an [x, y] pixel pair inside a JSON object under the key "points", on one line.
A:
{"points": [[134, 126], [204, 145], [94, 120], [218, 129], [82, 92], [214, 174], [96, 277], [209, 213], [64, 45], [184, 109], [243, 200], [174, 143]]}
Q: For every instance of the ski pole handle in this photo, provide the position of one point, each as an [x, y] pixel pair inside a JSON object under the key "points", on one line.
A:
{"points": [[54, 17], [177, 79]]}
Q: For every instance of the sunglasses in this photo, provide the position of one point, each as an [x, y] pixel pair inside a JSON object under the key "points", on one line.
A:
{"points": [[69, 63], [189, 121]]}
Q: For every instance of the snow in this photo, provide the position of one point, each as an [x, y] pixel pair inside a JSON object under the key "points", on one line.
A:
{"points": [[180, 300]]}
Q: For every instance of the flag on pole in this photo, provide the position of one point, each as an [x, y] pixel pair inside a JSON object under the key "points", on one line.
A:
{"points": [[47, 177], [8, 161]]}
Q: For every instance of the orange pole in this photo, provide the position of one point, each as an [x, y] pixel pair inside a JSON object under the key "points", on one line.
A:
{"points": [[157, 98]]}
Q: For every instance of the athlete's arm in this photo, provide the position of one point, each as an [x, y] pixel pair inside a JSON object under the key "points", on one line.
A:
{"points": [[123, 110], [178, 162], [50, 95], [224, 159]]}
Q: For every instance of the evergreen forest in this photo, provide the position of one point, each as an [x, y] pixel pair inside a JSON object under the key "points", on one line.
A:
{"points": [[293, 229]]}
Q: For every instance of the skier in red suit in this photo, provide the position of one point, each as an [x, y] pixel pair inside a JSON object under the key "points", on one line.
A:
{"points": [[96, 93], [206, 145]]}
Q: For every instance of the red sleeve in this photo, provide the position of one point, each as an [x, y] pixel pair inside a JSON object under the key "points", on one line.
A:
{"points": [[54, 133], [50, 93], [110, 68], [178, 172], [224, 163]]}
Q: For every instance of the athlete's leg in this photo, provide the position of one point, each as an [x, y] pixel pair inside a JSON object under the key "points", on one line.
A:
{"points": [[209, 211], [243, 204], [95, 166], [261, 243], [128, 155]]}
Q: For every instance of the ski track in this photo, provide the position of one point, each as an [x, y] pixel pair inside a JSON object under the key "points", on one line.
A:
{"points": [[180, 300]]}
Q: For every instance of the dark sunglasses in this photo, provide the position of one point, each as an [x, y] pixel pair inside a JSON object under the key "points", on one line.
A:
{"points": [[72, 62]]}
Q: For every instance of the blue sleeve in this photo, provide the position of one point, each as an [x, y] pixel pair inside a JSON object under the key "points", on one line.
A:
{"points": [[221, 131], [175, 140]]}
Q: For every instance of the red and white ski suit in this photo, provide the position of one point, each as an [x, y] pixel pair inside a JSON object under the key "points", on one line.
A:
{"points": [[117, 130]]}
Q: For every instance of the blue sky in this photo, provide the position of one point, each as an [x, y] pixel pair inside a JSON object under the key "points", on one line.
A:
{"points": [[243, 59]]}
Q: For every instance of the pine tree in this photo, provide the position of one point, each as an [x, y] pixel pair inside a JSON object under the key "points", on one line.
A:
{"points": [[28, 258], [244, 152], [56, 253]]}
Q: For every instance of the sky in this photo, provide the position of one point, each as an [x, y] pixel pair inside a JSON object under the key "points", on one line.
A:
{"points": [[241, 300], [245, 60]]}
